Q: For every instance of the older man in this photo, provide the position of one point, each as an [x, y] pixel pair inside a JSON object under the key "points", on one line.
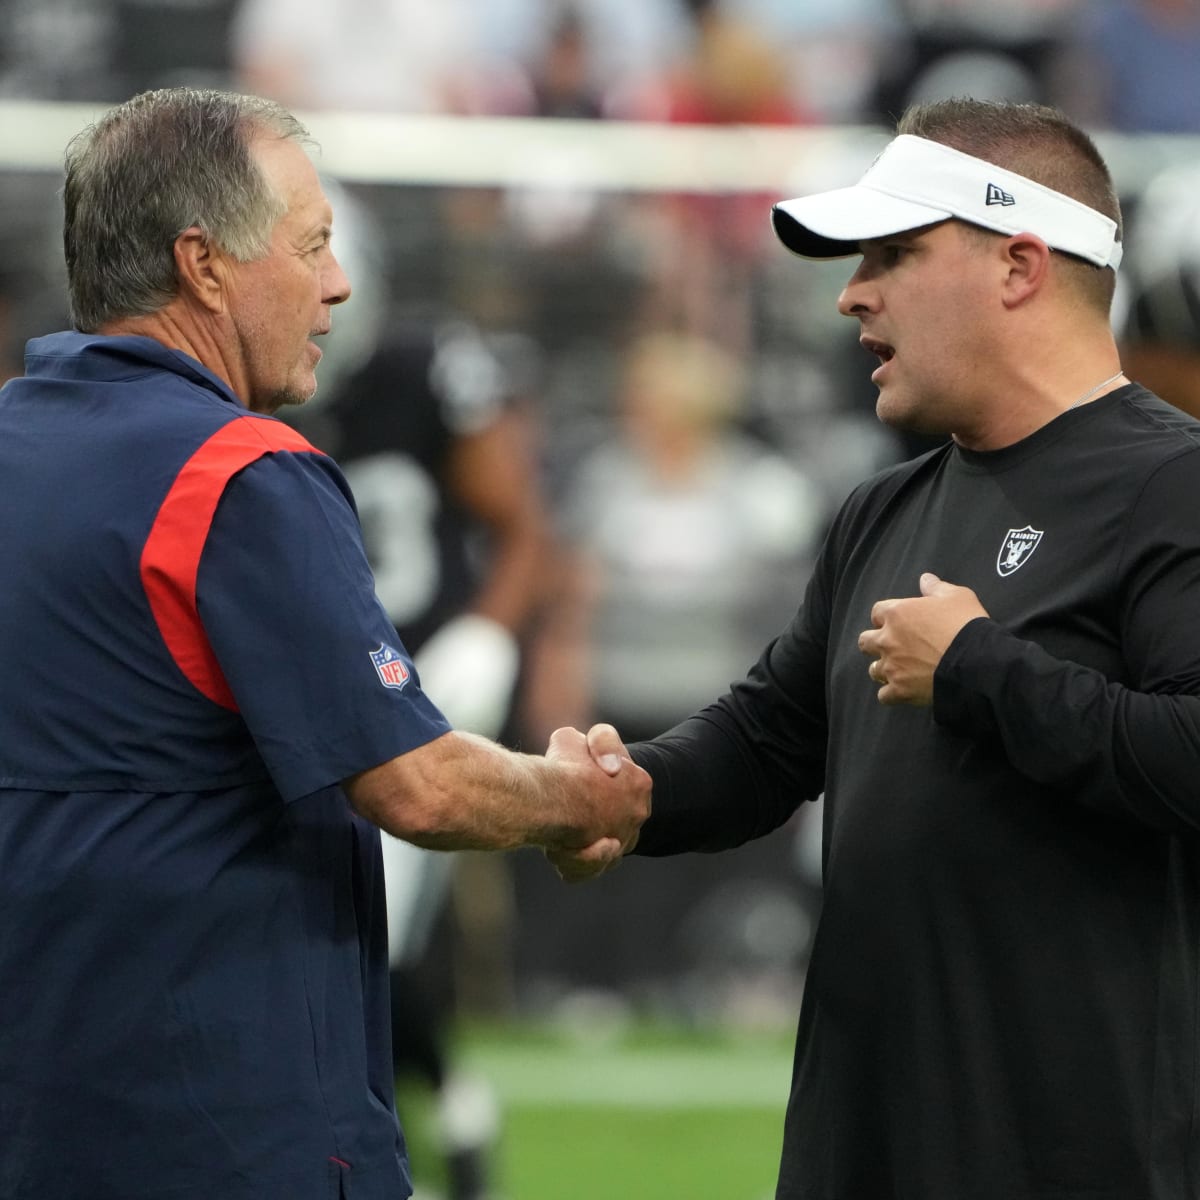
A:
{"points": [[201, 700]]}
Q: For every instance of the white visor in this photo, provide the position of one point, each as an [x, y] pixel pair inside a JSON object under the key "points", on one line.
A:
{"points": [[917, 182]]}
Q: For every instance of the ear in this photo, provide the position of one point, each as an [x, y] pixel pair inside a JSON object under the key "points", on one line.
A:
{"points": [[201, 269], [1027, 268]]}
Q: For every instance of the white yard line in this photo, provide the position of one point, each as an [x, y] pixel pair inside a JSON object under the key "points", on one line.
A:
{"points": [[654, 1078]]}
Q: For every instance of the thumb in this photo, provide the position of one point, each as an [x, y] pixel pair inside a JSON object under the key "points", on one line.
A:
{"points": [[606, 748], [930, 583]]}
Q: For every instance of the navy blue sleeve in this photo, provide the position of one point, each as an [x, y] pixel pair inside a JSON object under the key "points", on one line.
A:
{"points": [[288, 603]]}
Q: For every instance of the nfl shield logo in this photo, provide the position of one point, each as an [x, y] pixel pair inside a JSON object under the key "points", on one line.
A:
{"points": [[1016, 548], [389, 666]]}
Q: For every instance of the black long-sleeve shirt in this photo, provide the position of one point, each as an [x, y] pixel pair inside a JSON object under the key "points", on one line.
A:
{"points": [[1003, 1001]]}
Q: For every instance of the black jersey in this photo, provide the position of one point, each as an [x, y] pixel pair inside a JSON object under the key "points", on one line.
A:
{"points": [[1004, 994], [396, 420]]}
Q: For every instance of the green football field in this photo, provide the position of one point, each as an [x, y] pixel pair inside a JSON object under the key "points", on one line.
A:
{"points": [[649, 1115]]}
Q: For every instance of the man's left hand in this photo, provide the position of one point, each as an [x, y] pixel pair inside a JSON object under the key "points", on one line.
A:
{"points": [[910, 635]]}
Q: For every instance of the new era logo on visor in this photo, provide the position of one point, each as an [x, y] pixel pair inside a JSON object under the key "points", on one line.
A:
{"points": [[997, 195]]}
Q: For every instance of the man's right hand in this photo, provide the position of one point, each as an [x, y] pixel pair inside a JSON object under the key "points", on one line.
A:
{"points": [[463, 792], [618, 781]]}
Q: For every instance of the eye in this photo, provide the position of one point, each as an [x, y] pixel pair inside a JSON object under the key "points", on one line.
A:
{"points": [[890, 253], [321, 243]]}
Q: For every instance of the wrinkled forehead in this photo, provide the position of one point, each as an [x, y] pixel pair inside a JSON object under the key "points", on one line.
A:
{"points": [[292, 176]]}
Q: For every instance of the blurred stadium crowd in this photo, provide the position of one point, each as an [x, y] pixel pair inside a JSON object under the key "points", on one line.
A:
{"points": [[687, 60], [689, 403]]}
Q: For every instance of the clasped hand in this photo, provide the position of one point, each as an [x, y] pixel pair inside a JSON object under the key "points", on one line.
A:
{"points": [[616, 787], [909, 636]]}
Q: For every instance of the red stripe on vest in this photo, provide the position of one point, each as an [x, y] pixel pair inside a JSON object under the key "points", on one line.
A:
{"points": [[171, 556]]}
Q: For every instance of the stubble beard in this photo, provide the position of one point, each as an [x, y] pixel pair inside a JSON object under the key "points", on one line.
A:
{"points": [[285, 397]]}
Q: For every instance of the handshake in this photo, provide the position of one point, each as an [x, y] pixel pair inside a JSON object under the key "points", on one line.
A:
{"points": [[582, 803], [609, 799]]}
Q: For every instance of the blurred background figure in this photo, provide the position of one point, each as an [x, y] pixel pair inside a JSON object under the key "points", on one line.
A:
{"points": [[105, 50], [690, 538], [726, 73], [1159, 300], [404, 56], [587, 56], [1131, 66], [689, 533], [833, 51], [562, 78], [708, 248], [58, 49], [459, 56], [979, 48], [423, 419]]}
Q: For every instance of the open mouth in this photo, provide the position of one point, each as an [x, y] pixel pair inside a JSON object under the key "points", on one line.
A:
{"points": [[881, 350]]}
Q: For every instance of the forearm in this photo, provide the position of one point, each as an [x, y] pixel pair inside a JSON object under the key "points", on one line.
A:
{"points": [[462, 792], [716, 788], [1105, 745], [740, 767], [478, 796]]}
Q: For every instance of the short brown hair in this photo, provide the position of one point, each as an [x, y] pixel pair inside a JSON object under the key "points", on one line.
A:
{"points": [[1041, 144]]}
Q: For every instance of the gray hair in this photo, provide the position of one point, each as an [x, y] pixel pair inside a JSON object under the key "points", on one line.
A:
{"points": [[150, 168]]}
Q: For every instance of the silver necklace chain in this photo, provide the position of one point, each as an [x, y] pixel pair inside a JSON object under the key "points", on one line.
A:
{"points": [[1089, 394]]}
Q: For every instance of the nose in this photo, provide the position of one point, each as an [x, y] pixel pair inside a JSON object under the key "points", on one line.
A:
{"points": [[857, 297], [337, 285]]}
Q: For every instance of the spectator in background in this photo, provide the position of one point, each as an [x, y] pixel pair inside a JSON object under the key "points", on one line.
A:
{"points": [[727, 74], [587, 56], [101, 50], [689, 534], [833, 50], [1132, 66], [562, 81], [57, 50], [462, 56], [397, 56], [710, 246], [978, 48], [687, 539]]}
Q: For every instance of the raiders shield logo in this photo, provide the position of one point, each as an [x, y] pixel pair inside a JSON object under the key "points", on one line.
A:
{"points": [[1016, 548]]}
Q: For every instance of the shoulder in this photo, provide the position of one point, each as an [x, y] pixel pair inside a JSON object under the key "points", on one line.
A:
{"points": [[1147, 433], [1154, 416], [225, 443]]}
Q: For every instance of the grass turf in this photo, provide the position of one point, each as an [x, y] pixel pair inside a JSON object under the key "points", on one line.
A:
{"points": [[651, 1114]]}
